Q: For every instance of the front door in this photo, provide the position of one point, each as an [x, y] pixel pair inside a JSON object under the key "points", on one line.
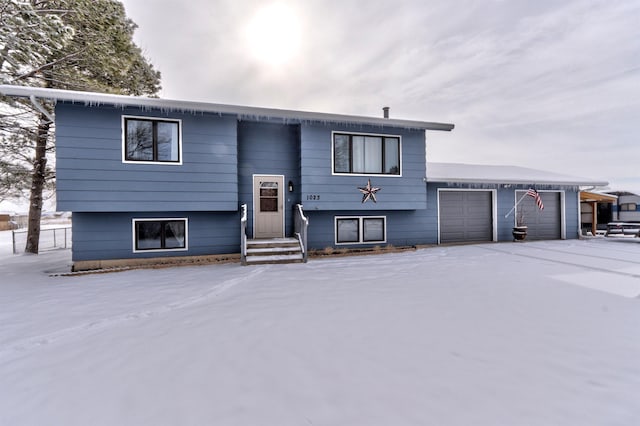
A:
{"points": [[268, 206]]}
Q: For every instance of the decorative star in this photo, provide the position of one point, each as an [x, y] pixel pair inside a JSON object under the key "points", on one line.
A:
{"points": [[369, 192]]}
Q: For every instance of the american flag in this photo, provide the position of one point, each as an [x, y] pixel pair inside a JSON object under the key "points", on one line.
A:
{"points": [[536, 196]]}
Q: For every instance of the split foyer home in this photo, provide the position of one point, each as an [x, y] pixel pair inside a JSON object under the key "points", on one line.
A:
{"points": [[150, 178]]}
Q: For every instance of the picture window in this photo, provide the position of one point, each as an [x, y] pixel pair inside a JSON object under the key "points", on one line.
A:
{"points": [[366, 154], [160, 234]]}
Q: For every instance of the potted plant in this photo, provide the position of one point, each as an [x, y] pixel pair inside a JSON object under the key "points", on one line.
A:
{"points": [[520, 230]]}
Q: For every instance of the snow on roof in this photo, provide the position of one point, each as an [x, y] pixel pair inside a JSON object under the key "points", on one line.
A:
{"points": [[243, 112], [478, 173]]}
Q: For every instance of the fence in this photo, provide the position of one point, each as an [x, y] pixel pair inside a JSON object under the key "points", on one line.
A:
{"points": [[50, 239]]}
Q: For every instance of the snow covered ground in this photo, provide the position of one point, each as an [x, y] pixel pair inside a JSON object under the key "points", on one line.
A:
{"points": [[534, 333]]}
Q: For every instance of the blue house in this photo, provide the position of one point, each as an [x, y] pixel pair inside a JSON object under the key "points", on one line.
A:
{"points": [[149, 179]]}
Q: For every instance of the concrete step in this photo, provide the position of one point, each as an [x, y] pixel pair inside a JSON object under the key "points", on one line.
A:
{"points": [[272, 259], [274, 250]]}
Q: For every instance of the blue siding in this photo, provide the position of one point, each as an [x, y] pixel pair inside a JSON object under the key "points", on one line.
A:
{"points": [[572, 201], [404, 228], [268, 149], [340, 192], [91, 176], [420, 227], [101, 236]]}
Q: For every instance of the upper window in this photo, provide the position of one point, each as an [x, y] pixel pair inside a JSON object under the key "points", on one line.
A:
{"points": [[159, 234], [150, 140], [366, 154]]}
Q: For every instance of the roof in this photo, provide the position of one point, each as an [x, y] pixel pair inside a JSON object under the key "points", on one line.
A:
{"points": [[477, 173], [597, 197], [243, 112]]}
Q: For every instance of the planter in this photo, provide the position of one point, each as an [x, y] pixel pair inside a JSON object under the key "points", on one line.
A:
{"points": [[519, 233]]}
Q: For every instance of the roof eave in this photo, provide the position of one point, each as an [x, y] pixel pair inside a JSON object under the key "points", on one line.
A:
{"points": [[242, 112], [513, 181]]}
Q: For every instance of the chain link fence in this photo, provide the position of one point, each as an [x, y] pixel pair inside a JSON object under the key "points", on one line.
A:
{"points": [[50, 239]]}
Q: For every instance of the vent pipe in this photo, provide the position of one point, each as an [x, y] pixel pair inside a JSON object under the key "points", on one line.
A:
{"points": [[385, 111]]}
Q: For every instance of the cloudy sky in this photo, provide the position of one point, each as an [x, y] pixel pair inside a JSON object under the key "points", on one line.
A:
{"points": [[553, 85]]}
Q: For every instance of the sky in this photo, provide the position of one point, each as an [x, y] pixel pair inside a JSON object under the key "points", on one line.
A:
{"points": [[552, 85]]}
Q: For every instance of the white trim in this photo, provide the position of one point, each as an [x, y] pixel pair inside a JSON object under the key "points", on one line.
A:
{"points": [[242, 112], [383, 135], [159, 219], [563, 211], [150, 118], [360, 230], [494, 208], [253, 201]]}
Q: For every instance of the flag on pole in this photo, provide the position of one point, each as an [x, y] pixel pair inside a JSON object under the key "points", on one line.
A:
{"points": [[536, 196]]}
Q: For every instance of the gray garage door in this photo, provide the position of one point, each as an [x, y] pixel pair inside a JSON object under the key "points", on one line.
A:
{"points": [[465, 216], [542, 224]]}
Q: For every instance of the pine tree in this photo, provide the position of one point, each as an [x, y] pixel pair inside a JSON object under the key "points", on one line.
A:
{"points": [[66, 44]]}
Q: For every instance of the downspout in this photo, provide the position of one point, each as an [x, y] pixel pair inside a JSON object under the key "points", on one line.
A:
{"points": [[40, 108]]}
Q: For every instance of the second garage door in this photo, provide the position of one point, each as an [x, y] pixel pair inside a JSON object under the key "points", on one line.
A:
{"points": [[465, 216], [542, 224]]}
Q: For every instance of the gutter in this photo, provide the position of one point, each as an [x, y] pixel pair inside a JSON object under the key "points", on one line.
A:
{"points": [[40, 108], [242, 112], [511, 182]]}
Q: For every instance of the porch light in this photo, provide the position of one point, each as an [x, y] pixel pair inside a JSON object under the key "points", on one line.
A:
{"points": [[290, 186]]}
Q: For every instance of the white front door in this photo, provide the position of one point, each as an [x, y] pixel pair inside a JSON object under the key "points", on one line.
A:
{"points": [[268, 206]]}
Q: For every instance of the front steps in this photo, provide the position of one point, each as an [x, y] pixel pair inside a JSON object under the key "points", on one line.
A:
{"points": [[275, 250]]}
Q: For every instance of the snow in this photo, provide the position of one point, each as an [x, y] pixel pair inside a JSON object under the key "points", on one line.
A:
{"points": [[533, 333], [242, 112], [496, 174]]}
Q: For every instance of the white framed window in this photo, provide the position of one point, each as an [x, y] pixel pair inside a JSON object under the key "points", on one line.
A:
{"points": [[360, 229], [366, 154], [160, 234], [151, 140]]}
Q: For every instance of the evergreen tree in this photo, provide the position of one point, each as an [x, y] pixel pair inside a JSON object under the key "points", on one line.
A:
{"points": [[64, 44]]}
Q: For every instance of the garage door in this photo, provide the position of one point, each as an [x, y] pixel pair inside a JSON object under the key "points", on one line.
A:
{"points": [[542, 224], [465, 216]]}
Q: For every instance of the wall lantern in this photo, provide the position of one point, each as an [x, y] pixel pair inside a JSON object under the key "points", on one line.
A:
{"points": [[290, 186]]}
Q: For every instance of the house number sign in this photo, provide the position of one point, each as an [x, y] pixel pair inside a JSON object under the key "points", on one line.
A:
{"points": [[313, 197]]}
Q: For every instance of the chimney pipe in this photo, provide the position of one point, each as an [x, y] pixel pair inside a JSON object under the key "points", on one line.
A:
{"points": [[385, 110]]}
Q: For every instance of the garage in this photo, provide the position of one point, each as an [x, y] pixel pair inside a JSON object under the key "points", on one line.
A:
{"points": [[465, 216], [543, 224]]}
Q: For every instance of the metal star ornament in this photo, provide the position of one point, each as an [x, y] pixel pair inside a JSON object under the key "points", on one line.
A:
{"points": [[368, 192]]}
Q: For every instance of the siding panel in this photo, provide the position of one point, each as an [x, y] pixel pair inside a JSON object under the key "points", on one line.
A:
{"points": [[92, 177], [100, 236], [323, 191]]}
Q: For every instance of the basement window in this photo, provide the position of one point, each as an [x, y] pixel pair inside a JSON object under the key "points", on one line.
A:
{"points": [[160, 234], [360, 230]]}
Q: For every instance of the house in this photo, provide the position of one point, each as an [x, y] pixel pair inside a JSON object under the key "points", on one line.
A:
{"points": [[149, 179]]}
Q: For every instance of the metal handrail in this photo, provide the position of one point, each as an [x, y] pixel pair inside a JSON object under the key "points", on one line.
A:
{"points": [[243, 234], [301, 224]]}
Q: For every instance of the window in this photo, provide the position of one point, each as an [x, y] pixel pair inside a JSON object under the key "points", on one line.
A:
{"points": [[366, 154], [159, 234], [268, 196], [149, 140], [360, 230], [628, 207]]}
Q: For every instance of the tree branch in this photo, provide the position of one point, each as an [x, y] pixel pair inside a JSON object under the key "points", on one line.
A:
{"points": [[49, 65]]}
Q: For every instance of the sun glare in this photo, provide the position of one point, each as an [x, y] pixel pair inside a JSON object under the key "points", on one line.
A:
{"points": [[273, 34]]}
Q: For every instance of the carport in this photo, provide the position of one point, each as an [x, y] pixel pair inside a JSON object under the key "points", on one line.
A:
{"points": [[590, 203]]}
